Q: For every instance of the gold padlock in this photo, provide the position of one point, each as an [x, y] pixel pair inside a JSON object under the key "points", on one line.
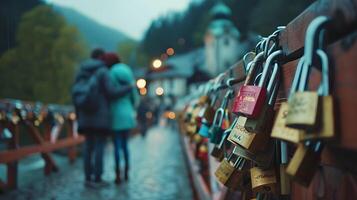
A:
{"points": [[263, 180], [231, 172], [283, 132], [253, 142], [305, 162], [303, 110]]}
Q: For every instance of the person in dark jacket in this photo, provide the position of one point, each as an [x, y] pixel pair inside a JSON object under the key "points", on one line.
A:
{"points": [[97, 125]]}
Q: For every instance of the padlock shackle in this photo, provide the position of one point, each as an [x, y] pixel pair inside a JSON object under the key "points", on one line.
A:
{"points": [[325, 80], [283, 152], [253, 68], [297, 76], [259, 45], [267, 66], [271, 38], [274, 79], [313, 41], [218, 117], [247, 58], [274, 93], [312, 38]]}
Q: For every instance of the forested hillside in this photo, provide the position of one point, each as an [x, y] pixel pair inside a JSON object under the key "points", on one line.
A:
{"points": [[185, 31]]}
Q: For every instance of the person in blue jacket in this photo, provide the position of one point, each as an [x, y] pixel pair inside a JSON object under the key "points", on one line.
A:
{"points": [[123, 111]]}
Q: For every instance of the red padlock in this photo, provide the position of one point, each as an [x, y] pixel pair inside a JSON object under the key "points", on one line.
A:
{"points": [[245, 95], [251, 98]]}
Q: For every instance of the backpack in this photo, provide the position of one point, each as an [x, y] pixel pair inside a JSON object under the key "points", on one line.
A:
{"points": [[85, 92]]}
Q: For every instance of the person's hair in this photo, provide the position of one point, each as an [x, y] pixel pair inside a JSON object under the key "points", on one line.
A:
{"points": [[97, 53], [110, 59]]}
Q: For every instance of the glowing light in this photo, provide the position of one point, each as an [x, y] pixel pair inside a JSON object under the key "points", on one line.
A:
{"points": [[72, 116], [141, 83], [148, 115], [171, 115], [170, 51], [159, 91], [143, 91], [157, 63]]}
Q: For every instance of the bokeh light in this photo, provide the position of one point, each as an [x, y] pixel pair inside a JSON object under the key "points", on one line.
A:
{"points": [[141, 83], [159, 91], [157, 63], [170, 51]]}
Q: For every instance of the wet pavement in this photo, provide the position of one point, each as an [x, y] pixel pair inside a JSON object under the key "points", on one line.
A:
{"points": [[158, 171]]}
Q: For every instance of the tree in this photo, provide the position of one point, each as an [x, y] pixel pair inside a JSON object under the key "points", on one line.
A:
{"points": [[41, 67], [10, 15]]}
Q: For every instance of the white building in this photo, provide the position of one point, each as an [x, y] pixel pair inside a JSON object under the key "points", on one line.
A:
{"points": [[222, 46]]}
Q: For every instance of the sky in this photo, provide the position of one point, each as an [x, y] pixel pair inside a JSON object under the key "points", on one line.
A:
{"points": [[132, 17]]}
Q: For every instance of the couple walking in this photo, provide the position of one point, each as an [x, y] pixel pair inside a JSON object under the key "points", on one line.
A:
{"points": [[105, 99]]}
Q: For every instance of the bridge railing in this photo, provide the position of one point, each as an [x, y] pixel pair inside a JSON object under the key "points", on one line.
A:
{"points": [[50, 127]]}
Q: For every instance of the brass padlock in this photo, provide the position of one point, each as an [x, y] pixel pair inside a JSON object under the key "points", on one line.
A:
{"points": [[232, 172], [283, 132], [263, 180], [305, 162], [303, 104], [251, 141], [326, 129]]}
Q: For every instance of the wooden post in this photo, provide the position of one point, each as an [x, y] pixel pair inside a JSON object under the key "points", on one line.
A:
{"points": [[72, 151], [50, 165], [12, 168]]}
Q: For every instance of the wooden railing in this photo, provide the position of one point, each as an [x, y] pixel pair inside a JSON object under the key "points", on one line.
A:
{"points": [[44, 124]]}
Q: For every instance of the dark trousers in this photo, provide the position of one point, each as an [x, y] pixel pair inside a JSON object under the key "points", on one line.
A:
{"points": [[121, 144], [93, 147]]}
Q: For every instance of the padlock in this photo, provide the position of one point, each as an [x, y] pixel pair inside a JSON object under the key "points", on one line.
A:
{"points": [[280, 130], [253, 69], [255, 141], [303, 104], [305, 162], [251, 98], [283, 132], [263, 180], [204, 129], [219, 150], [208, 116], [251, 141], [209, 111], [266, 115], [216, 130], [326, 129], [232, 172]]}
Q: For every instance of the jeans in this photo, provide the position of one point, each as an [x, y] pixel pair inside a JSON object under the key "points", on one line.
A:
{"points": [[121, 143], [93, 146]]}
